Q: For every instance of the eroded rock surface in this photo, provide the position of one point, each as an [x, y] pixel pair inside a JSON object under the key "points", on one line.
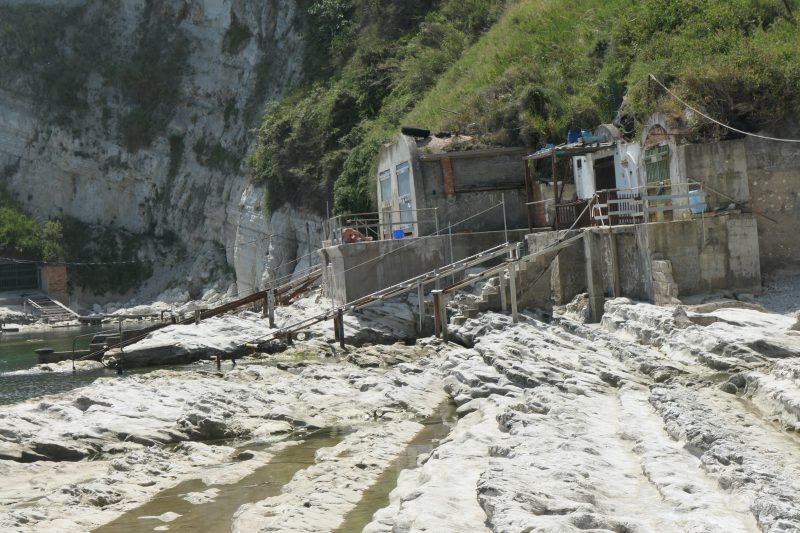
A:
{"points": [[626, 427]]}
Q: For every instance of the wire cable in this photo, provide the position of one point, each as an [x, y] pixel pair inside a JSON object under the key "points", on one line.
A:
{"points": [[715, 121]]}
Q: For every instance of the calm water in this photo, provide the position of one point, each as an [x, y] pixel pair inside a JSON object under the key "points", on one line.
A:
{"points": [[19, 380]]}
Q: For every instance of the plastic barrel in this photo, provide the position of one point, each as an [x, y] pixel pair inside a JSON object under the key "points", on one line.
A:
{"points": [[572, 136]]}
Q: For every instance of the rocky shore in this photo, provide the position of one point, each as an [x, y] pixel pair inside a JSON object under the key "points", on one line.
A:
{"points": [[658, 419]]}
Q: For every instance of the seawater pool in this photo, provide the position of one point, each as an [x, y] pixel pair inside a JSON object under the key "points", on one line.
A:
{"points": [[19, 377]]}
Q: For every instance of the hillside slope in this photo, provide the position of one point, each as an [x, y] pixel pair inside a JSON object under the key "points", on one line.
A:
{"points": [[523, 74]]}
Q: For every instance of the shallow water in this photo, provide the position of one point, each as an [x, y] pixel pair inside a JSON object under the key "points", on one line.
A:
{"points": [[377, 496], [217, 515], [19, 380]]}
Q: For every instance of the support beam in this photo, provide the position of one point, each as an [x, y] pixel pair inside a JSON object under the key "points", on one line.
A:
{"points": [[512, 290], [612, 240], [438, 319], [594, 280]]}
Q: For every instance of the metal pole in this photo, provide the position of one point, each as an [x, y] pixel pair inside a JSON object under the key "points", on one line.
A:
{"points": [[505, 224], [452, 258]]}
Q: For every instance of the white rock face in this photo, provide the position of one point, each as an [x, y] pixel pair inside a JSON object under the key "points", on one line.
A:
{"points": [[628, 427], [190, 181]]}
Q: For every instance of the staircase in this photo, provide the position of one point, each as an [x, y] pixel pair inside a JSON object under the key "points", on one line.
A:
{"points": [[471, 305], [50, 310]]}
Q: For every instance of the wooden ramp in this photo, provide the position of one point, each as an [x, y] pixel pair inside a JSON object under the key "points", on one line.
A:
{"points": [[283, 294]]}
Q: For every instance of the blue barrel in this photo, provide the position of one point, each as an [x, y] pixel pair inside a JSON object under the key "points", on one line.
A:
{"points": [[572, 136], [397, 234], [697, 202]]}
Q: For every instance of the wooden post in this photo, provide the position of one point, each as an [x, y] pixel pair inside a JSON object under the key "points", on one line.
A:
{"points": [[289, 339], [512, 289], [197, 316], [336, 327], [265, 307], [437, 312], [271, 308], [436, 284], [421, 298], [219, 363], [340, 320]]}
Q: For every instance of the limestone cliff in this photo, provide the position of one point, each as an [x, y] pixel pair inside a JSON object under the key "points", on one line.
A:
{"points": [[137, 115]]}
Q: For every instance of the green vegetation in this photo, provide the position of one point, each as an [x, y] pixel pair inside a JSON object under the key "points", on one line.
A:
{"points": [[176, 148], [236, 37], [22, 236], [118, 250], [149, 81], [216, 156], [368, 64], [516, 73]]}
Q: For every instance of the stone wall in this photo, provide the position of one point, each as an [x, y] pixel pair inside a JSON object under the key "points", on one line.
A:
{"points": [[660, 260]]}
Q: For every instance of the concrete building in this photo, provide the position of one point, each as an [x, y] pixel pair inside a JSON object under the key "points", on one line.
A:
{"points": [[422, 182]]}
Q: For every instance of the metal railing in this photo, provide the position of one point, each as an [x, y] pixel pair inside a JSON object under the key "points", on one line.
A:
{"points": [[371, 227], [654, 202]]}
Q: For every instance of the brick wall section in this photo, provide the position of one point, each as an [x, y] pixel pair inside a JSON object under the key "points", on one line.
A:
{"points": [[449, 179], [55, 281]]}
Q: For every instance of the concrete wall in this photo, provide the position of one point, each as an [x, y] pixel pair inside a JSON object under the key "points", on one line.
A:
{"points": [[773, 171], [721, 167], [568, 269], [355, 270], [481, 179], [707, 254]]}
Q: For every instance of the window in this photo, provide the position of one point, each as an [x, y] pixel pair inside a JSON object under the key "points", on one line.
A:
{"points": [[404, 191], [403, 180], [386, 185]]}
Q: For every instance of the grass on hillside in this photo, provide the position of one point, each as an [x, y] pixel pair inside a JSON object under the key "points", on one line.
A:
{"points": [[543, 67]]}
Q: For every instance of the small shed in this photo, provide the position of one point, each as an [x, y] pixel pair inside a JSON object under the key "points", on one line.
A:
{"points": [[427, 184]]}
